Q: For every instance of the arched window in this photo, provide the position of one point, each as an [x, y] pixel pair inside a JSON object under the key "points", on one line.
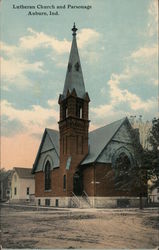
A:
{"points": [[79, 109], [122, 172], [65, 110], [80, 112], [47, 176]]}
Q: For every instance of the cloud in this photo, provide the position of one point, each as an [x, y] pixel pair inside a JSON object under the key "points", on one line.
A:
{"points": [[86, 39], [35, 119], [11, 127], [40, 39], [14, 67], [87, 36], [13, 70], [14, 62], [145, 53], [122, 101], [153, 18], [34, 40], [141, 67]]}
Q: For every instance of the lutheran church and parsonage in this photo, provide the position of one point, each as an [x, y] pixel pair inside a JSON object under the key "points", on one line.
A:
{"points": [[74, 167]]}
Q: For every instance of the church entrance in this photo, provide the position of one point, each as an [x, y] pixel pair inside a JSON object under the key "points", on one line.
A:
{"points": [[77, 184]]}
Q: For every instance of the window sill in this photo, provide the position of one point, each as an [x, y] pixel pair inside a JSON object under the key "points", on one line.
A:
{"points": [[47, 190]]}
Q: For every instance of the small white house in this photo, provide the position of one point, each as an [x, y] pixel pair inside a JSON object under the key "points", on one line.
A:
{"points": [[154, 195], [22, 184]]}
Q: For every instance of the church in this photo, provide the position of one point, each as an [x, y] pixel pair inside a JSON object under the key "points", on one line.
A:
{"points": [[75, 167]]}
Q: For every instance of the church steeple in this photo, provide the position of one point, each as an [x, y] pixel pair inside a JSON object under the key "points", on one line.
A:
{"points": [[74, 118], [74, 76]]}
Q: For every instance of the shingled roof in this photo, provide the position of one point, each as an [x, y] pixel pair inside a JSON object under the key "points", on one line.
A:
{"points": [[54, 137], [24, 173], [99, 138], [74, 76]]}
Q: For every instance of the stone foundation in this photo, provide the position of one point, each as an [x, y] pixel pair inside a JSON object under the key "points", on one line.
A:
{"points": [[95, 202], [54, 201], [114, 202]]}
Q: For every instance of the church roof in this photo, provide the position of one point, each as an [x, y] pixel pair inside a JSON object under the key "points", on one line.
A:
{"points": [[74, 76], [24, 173], [99, 138], [54, 137]]}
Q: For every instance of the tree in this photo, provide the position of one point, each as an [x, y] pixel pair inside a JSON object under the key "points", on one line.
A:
{"points": [[152, 154], [132, 179], [146, 165], [2, 173]]}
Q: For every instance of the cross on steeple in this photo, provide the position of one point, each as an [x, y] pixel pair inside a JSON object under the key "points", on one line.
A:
{"points": [[74, 29]]}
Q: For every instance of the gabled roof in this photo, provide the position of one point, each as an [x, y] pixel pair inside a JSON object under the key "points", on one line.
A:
{"points": [[24, 173], [99, 139], [54, 138], [74, 76]]}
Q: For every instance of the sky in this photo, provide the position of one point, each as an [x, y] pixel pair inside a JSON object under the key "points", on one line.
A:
{"points": [[117, 42]]}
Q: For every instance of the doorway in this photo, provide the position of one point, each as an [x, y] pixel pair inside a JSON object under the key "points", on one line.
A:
{"points": [[78, 183]]}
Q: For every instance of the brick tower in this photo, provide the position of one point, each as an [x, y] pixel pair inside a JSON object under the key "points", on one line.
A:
{"points": [[73, 123]]}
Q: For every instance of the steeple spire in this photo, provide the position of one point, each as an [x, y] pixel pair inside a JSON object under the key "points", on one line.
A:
{"points": [[74, 77]]}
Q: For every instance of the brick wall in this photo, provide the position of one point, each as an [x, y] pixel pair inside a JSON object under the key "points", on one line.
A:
{"points": [[98, 181], [88, 180], [73, 137], [56, 184]]}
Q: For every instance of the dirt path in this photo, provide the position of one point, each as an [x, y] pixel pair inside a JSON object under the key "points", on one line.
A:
{"points": [[79, 229]]}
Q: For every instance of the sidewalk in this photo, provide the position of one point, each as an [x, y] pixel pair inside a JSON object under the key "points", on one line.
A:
{"points": [[106, 210]]}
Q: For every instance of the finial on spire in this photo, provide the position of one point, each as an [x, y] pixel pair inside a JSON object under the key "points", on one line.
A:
{"points": [[74, 29]]}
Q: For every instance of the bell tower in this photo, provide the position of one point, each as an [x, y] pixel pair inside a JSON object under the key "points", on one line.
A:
{"points": [[74, 118]]}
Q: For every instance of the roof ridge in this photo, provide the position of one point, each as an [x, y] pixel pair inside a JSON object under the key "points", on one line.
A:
{"points": [[109, 124], [52, 129], [54, 143], [104, 135], [121, 122]]}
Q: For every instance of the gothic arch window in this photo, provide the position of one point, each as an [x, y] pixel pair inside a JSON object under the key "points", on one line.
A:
{"points": [[123, 163], [122, 172], [79, 109], [123, 151], [47, 175], [65, 110], [80, 112]]}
